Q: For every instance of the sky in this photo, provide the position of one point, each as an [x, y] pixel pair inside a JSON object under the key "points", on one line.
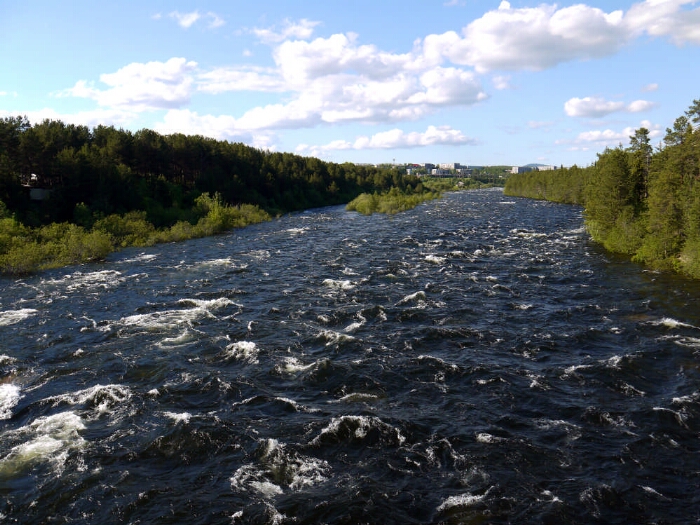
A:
{"points": [[478, 82]]}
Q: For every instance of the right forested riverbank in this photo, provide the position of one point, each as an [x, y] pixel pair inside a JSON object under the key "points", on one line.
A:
{"points": [[640, 200]]}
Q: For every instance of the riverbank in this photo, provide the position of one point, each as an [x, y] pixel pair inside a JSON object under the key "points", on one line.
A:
{"points": [[25, 250], [639, 201]]}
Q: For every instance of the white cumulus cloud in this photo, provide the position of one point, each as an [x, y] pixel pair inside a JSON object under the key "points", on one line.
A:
{"points": [[596, 107], [602, 138], [107, 117], [142, 87], [185, 20], [536, 38], [532, 38], [302, 29], [666, 18], [394, 139]]}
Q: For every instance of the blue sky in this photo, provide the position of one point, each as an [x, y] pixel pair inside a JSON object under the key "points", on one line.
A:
{"points": [[479, 82]]}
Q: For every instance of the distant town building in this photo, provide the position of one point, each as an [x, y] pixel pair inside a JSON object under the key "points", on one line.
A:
{"points": [[440, 172], [450, 165], [520, 169], [546, 168]]}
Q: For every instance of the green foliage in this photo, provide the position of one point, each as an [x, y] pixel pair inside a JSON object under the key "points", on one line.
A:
{"points": [[638, 201], [130, 229], [4, 211], [25, 250], [564, 185], [113, 188], [393, 201], [452, 184]]}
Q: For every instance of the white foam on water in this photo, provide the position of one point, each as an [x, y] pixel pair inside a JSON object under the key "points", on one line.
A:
{"points": [[462, 500], [536, 381], [573, 431], [355, 397], [106, 399], [338, 284], [484, 437], [362, 424], [266, 488], [10, 317], [211, 304], [668, 322], [680, 417], [614, 361], [572, 370], [243, 351], [217, 262], [9, 397], [683, 400], [279, 469], [653, 492], [356, 325], [413, 298], [688, 342], [435, 259], [259, 255], [292, 365], [523, 306], [46, 439], [441, 362], [179, 417], [527, 234], [174, 319], [184, 338], [105, 279], [331, 337], [629, 390], [143, 257], [6, 359], [349, 271], [551, 496]]}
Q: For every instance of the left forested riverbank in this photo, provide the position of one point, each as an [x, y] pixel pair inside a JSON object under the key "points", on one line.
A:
{"points": [[71, 194]]}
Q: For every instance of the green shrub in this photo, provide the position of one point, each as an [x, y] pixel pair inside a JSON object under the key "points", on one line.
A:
{"points": [[130, 229], [23, 258], [79, 246], [393, 201]]}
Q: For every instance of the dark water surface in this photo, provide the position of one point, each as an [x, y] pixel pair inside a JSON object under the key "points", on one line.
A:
{"points": [[475, 360]]}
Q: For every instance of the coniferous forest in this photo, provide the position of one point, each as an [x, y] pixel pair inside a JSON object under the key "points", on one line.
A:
{"points": [[109, 188], [643, 201]]}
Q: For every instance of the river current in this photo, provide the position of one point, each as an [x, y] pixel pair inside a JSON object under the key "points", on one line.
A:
{"points": [[474, 360]]}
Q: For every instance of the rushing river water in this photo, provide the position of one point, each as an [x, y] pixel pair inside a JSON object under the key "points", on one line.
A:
{"points": [[475, 360]]}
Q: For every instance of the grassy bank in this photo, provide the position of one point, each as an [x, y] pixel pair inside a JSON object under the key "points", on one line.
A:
{"points": [[25, 250]]}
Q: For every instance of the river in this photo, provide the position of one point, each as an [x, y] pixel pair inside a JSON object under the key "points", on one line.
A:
{"points": [[474, 360]]}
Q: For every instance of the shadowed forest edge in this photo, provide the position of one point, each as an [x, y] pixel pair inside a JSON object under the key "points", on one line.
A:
{"points": [[640, 200]]}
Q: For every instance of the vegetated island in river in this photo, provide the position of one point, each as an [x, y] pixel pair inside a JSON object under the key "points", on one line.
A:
{"points": [[70, 194], [396, 200], [640, 201]]}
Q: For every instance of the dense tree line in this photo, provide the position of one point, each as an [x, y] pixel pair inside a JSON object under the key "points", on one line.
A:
{"points": [[106, 170], [111, 188], [640, 200]]}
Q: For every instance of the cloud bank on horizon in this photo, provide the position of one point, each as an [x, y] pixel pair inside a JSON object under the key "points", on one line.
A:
{"points": [[513, 84]]}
